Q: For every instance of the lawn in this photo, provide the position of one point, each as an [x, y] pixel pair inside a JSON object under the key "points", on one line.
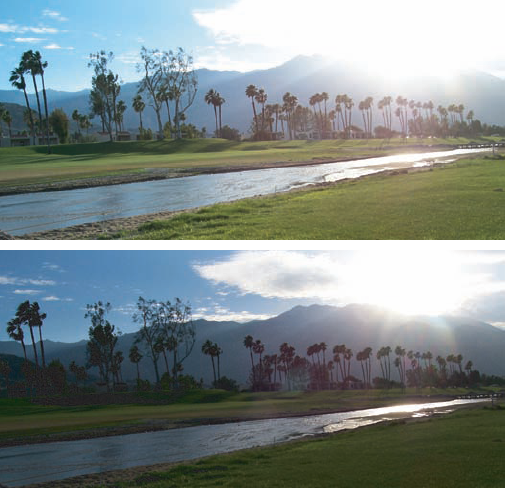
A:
{"points": [[30, 165], [465, 448], [463, 200]]}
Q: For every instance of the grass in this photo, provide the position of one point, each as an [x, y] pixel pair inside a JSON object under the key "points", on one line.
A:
{"points": [[465, 448], [463, 200], [30, 165], [20, 418]]}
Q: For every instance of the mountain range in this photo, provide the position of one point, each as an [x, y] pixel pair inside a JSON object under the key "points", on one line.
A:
{"points": [[303, 76], [357, 326]]}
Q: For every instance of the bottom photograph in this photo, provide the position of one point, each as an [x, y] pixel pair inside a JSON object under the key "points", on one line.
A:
{"points": [[228, 368]]}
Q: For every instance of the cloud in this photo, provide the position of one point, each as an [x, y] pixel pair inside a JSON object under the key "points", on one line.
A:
{"points": [[52, 267], [39, 30], [52, 14], [54, 298], [275, 274], [12, 280], [57, 46], [26, 292], [130, 57], [8, 28], [32, 40], [222, 314]]}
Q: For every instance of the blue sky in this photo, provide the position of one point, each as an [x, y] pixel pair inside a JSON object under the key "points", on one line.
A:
{"points": [[247, 285], [253, 34]]}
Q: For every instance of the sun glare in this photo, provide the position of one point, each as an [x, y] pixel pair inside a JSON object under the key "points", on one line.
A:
{"points": [[410, 283]]}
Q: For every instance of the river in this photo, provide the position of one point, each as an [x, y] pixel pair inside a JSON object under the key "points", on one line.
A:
{"points": [[34, 212], [37, 463]]}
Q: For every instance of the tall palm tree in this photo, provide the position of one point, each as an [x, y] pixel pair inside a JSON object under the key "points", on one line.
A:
{"points": [[325, 97], [259, 348], [208, 349], [251, 91], [261, 97], [36, 319], [31, 68], [217, 352], [138, 105], [248, 344], [17, 80], [220, 101], [120, 110], [135, 356]]}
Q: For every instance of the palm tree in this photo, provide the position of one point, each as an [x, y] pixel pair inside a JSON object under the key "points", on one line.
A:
{"points": [[251, 91], [166, 95], [138, 105], [35, 319], [7, 118], [15, 332], [17, 80], [31, 67], [325, 97], [248, 344], [217, 352], [76, 116], [208, 349], [135, 356], [220, 102], [120, 110], [261, 97], [259, 348]]}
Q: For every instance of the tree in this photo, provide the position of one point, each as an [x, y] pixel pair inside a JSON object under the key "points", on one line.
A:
{"points": [[251, 91], [209, 350], [148, 333], [248, 344], [79, 372], [37, 67], [102, 341], [15, 332], [5, 370], [120, 110], [135, 357], [76, 117], [18, 81], [104, 89], [59, 122], [259, 348], [138, 105], [7, 118], [31, 68], [211, 98]]}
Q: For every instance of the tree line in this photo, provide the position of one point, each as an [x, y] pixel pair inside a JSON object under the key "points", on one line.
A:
{"points": [[329, 369]]}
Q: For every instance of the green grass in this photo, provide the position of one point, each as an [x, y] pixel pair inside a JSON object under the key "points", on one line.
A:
{"points": [[19, 418], [29, 165], [463, 200], [465, 448]]}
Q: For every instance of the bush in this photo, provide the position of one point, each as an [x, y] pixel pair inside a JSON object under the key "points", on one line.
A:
{"points": [[225, 383]]}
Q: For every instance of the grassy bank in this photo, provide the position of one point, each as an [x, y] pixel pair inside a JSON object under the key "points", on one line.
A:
{"points": [[20, 419], [464, 448], [31, 165], [463, 200]]}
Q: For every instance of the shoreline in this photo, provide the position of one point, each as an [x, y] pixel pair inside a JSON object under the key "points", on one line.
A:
{"points": [[111, 478]]}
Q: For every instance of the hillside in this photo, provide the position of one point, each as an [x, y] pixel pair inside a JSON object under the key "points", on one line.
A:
{"points": [[357, 326], [304, 76]]}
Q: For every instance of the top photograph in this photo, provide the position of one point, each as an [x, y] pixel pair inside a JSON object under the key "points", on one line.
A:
{"points": [[252, 120]]}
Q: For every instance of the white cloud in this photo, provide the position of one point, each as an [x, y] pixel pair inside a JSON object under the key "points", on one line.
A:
{"points": [[52, 267], [12, 280], [26, 292], [39, 30], [222, 314], [32, 40], [130, 57], [8, 28], [54, 15], [53, 46], [53, 298]]}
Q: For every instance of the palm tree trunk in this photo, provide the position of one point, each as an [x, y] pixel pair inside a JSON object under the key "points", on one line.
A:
{"points": [[34, 348], [30, 115], [220, 130], [215, 116], [42, 348], [218, 367], [47, 115], [141, 127], [169, 118], [213, 367], [37, 96]]}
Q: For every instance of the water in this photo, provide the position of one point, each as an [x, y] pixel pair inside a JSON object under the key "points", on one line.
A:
{"points": [[33, 212], [55, 461]]}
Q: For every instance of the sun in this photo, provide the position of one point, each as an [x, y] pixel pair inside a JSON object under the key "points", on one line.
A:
{"points": [[409, 282]]}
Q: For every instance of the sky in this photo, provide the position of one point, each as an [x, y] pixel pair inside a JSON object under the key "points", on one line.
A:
{"points": [[248, 285], [397, 36]]}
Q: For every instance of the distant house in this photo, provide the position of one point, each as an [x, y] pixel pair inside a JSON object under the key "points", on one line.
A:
{"points": [[120, 136], [18, 140]]}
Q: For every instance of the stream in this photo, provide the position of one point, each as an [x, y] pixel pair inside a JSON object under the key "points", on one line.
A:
{"points": [[37, 463], [34, 212]]}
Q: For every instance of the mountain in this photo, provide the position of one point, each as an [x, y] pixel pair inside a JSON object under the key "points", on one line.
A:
{"points": [[303, 76], [357, 326]]}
